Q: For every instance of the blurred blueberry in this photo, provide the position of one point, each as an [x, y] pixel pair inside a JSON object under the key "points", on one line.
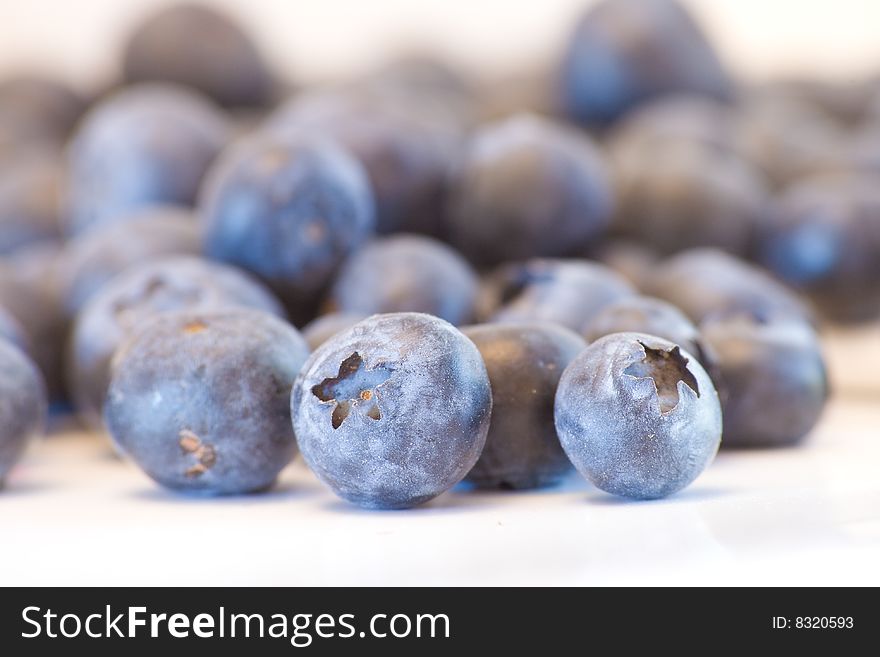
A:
{"points": [[625, 52], [30, 292], [22, 405], [566, 292], [322, 328], [406, 155], [30, 199], [525, 362], [527, 187], [703, 282], [651, 316], [12, 331], [197, 46], [771, 376], [393, 411], [632, 260], [290, 210], [93, 259], [407, 273], [201, 400], [124, 304], [638, 416], [38, 109], [145, 145], [683, 193], [823, 238]]}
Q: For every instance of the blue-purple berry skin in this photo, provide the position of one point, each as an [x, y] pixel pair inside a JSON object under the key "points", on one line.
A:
{"points": [[524, 362], [625, 52], [565, 292], [526, 187], [128, 301], [289, 210], [638, 416], [322, 328], [394, 411], [704, 282], [201, 400], [407, 273], [146, 145], [92, 260], [771, 376], [647, 315], [22, 405]]}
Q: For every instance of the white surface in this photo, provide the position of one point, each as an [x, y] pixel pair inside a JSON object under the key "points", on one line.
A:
{"points": [[74, 514], [309, 40]]}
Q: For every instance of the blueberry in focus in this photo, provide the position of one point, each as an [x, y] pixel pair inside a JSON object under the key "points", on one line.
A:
{"points": [[565, 292], [638, 416], [145, 145], [526, 187], [290, 210], [393, 411], [771, 376], [30, 199], [625, 52], [324, 327], [196, 46], [22, 405], [524, 362], [407, 273], [201, 400], [129, 300], [651, 316], [93, 259], [702, 282], [823, 238], [406, 155]]}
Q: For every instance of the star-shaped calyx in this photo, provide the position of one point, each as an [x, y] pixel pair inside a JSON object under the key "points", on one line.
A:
{"points": [[354, 388], [666, 369]]}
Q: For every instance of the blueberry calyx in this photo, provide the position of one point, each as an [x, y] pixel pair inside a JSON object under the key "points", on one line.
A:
{"points": [[354, 387], [665, 369]]}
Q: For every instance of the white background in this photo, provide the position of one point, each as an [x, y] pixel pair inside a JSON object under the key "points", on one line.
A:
{"points": [[311, 39]]}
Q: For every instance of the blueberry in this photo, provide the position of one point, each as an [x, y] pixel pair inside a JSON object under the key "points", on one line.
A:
{"points": [[407, 273], [703, 282], [525, 362], [638, 416], [142, 146], [632, 260], [625, 52], [322, 328], [290, 210], [566, 292], [38, 108], [197, 46], [123, 305], [30, 199], [93, 259], [393, 411], [11, 331], [651, 316], [771, 377], [686, 194], [22, 405], [786, 137], [405, 155], [527, 187], [30, 292], [823, 238], [201, 400]]}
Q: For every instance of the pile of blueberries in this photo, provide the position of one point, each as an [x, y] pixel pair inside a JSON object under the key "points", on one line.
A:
{"points": [[609, 266]]}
